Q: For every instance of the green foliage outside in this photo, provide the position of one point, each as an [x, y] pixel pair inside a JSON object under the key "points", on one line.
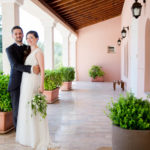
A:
{"points": [[0, 40], [5, 101], [58, 55], [130, 112], [1, 65], [68, 73], [0, 34], [52, 80], [96, 71], [40, 45]]}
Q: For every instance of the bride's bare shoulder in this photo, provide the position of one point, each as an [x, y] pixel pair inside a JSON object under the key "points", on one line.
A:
{"points": [[39, 50], [39, 53]]}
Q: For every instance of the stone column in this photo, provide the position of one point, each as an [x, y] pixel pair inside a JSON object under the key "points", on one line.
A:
{"points": [[10, 18], [49, 44]]}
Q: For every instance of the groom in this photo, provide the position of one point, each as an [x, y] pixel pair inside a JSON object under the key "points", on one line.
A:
{"points": [[17, 54]]}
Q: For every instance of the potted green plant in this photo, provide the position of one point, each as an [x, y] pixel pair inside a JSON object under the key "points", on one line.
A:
{"points": [[6, 118], [96, 73], [52, 82], [68, 75], [131, 123]]}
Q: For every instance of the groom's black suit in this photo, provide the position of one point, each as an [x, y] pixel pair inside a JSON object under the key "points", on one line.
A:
{"points": [[16, 55]]}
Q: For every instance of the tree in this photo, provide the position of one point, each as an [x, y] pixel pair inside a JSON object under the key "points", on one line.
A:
{"points": [[57, 55]]}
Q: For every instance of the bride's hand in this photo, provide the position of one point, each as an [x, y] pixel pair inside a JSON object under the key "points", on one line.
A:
{"points": [[41, 89]]}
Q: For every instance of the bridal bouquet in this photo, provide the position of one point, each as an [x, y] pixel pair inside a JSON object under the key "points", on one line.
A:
{"points": [[39, 105]]}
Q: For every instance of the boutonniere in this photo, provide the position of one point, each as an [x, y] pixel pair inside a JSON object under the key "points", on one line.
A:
{"points": [[25, 52]]}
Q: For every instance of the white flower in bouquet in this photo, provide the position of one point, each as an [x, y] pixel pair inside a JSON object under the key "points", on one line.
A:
{"points": [[39, 105]]}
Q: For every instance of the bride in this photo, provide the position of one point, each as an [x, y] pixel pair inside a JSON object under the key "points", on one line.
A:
{"points": [[32, 131]]}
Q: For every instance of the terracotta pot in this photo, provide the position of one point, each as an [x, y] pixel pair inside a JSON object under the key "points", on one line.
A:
{"points": [[98, 79], [124, 139], [51, 96], [6, 121], [66, 86]]}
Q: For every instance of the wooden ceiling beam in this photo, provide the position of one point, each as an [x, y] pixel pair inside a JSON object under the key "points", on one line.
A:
{"points": [[82, 9], [92, 14], [60, 2], [81, 18], [99, 9], [81, 21], [81, 13], [56, 14], [88, 24], [70, 3], [84, 3], [79, 26]]}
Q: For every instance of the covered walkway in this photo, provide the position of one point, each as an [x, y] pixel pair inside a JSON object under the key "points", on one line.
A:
{"points": [[77, 121]]}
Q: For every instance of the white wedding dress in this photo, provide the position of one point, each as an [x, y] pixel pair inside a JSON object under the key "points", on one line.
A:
{"points": [[31, 131]]}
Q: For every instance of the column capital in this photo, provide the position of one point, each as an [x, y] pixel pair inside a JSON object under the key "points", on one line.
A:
{"points": [[19, 2]]}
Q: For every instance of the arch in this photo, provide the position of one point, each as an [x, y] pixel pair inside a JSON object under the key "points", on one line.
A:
{"points": [[58, 48], [1, 65], [147, 56]]}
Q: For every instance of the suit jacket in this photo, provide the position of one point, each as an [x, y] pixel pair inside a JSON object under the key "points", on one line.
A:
{"points": [[16, 55]]}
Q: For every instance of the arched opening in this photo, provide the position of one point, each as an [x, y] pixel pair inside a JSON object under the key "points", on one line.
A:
{"points": [[1, 65], [58, 49], [147, 56], [29, 22]]}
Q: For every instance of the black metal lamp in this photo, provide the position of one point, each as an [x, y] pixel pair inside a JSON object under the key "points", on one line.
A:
{"points": [[119, 42], [124, 32], [136, 8]]}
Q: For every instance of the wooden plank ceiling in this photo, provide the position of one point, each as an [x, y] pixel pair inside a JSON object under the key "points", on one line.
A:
{"points": [[81, 13]]}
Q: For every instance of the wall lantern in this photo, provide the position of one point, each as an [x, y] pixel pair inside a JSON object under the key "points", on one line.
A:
{"points": [[124, 31], [119, 42], [136, 8]]}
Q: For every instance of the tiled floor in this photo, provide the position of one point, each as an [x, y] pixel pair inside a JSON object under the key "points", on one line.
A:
{"points": [[77, 121]]}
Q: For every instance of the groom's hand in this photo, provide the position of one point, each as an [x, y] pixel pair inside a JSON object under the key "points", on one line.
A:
{"points": [[36, 69]]}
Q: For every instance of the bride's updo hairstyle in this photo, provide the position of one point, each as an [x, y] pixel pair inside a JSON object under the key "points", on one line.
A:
{"points": [[34, 33]]}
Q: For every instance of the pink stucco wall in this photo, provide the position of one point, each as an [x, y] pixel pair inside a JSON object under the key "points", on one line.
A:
{"points": [[137, 50], [92, 46]]}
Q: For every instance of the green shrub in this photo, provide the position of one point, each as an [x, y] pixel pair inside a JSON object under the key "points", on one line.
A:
{"points": [[68, 73], [5, 101], [96, 71], [130, 112], [52, 80]]}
